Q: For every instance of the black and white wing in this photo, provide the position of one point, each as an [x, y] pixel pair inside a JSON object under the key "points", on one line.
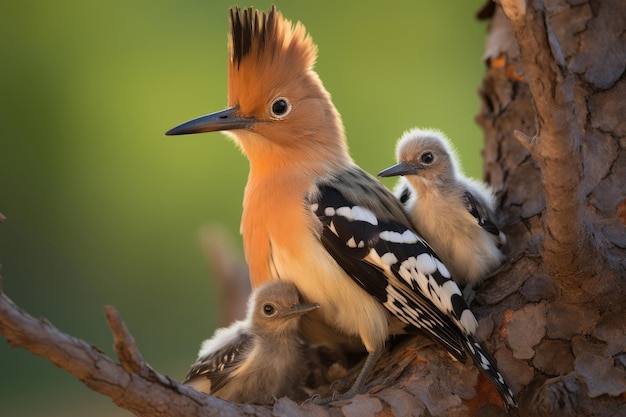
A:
{"points": [[217, 366], [404, 192], [374, 244], [394, 265], [482, 214]]}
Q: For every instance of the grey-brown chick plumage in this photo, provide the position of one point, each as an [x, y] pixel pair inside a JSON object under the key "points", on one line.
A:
{"points": [[259, 358], [453, 213]]}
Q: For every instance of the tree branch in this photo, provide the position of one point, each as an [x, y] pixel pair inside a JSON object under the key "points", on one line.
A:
{"points": [[567, 250], [132, 385]]}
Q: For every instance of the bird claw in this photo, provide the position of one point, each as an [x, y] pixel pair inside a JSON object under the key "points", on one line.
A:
{"points": [[312, 399], [333, 386], [317, 399]]}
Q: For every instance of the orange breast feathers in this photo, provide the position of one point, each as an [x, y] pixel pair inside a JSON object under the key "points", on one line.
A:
{"points": [[274, 216]]}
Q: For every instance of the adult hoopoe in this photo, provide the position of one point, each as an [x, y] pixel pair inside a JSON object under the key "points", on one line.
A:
{"points": [[452, 212], [310, 215]]}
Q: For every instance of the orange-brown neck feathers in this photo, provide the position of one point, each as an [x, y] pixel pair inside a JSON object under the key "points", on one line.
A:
{"points": [[265, 49]]}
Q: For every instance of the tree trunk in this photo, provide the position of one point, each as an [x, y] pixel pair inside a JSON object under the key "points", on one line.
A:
{"points": [[555, 74], [554, 315]]}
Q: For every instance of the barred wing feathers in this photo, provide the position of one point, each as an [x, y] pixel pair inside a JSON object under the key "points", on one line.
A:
{"points": [[220, 365], [377, 248], [397, 267]]}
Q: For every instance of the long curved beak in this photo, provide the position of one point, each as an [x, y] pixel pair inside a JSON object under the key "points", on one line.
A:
{"points": [[226, 119], [401, 168]]}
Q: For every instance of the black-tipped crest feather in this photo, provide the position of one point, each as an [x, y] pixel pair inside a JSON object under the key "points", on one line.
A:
{"points": [[248, 25]]}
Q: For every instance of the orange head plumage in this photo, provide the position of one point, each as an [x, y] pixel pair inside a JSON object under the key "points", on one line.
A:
{"points": [[278, 110]]}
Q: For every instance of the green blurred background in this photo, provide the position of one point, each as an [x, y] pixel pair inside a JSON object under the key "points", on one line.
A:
{"points": [[104, 209]]}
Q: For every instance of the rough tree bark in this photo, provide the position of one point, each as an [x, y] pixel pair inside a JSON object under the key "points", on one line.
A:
{"points": [[555, 151]]}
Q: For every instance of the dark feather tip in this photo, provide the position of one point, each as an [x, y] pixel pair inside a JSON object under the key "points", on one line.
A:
{"points": [[250, 28]]}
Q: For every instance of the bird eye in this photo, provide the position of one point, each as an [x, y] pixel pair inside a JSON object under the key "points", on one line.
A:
{"points": [[427, 158], [280, 108], [269, 310]]}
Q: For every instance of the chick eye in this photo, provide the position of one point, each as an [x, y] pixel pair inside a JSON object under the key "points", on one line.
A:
{"points": [[269, 310], [427, 158], [280, 107]]}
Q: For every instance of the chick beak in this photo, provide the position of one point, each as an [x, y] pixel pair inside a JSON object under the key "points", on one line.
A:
{"points": [[226, 119], [401, 168], [300, 309]]}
